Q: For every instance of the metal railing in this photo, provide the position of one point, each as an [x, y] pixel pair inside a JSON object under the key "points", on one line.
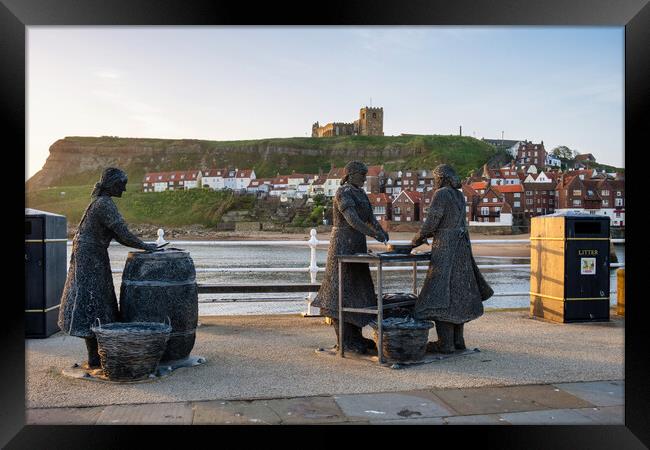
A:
{"points": [[313, 242]]}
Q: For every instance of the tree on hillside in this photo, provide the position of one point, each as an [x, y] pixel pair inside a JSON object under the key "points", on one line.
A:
{"points": [[565, 153]]}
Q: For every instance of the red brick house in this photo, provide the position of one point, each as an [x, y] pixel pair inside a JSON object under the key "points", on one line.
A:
{"points": [[381, 206], [585, 159], [406, 207], [479, 186], [569, 192], [539, 199], [514, 196], [490, 206], [529, 153], [602, 195], [410, 180]]}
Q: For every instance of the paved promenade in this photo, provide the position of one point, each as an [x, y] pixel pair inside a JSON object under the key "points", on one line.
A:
{"points": [[264, 369], [582, 403]]}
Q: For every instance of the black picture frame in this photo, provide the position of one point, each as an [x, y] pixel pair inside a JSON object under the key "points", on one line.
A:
{"points": [[16, 15]]}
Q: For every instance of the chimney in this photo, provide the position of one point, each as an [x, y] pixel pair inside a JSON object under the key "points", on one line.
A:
{"points": [[461, 130]]}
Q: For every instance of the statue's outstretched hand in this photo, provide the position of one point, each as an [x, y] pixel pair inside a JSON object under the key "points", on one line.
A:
{"points": [[150, 247], [417, 241], [382, 236]]}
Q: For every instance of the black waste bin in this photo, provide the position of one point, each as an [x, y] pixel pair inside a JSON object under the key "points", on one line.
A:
{"points": [[45, 271], [569, 267]]}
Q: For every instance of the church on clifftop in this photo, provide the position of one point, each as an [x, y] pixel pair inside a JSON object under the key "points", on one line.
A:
{"points": [[370, 123]]}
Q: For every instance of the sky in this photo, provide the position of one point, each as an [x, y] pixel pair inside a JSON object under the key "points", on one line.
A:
{"points": [[560, 85]]}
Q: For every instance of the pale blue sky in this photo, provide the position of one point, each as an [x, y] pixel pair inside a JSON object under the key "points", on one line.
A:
{"points": [[562, 85]]}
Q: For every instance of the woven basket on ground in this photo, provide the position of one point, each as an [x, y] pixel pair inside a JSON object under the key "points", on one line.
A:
{"points": [[404, 338], [130, 350]]}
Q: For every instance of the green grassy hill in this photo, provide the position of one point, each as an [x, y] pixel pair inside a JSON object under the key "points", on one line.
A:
{"points": [[169, 208]]}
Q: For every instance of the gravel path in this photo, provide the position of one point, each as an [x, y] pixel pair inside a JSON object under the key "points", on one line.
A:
{"points": [[273, 356]]}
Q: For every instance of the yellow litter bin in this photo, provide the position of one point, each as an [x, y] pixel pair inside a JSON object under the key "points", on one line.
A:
{"points": [[569, 267]]}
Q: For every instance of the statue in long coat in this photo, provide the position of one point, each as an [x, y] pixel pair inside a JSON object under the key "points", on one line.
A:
{"points": [[454, 288], [88, 293], [353, 220]]}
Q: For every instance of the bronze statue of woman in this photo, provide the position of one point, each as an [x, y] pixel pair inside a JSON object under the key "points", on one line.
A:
{"points": [[89, 293], [353, 220], [454, 289]]}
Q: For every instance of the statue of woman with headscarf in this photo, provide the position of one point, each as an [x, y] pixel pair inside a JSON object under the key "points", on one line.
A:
{"points": [[353, 220], [454, 289], [89, 293]]}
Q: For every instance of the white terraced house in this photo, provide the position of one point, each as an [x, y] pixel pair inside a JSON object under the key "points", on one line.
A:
{"points": [[214, 179], [243, 178], [171, 181]]}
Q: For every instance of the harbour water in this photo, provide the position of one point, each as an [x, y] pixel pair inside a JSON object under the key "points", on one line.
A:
{"points": [[283, 257]]}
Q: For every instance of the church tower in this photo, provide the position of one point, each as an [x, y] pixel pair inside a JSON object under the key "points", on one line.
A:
{"points": [[371, 121]]}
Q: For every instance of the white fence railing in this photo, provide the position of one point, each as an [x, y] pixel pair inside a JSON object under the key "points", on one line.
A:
{"points": [[314, 243]]}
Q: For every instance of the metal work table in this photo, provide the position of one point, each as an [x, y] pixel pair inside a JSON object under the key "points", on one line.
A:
{"points": [[379, 259]]}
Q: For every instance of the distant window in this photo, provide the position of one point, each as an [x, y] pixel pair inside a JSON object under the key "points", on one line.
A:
{"points": [[182, 177], [618, 193], [160, 177], [494, 200], [529, 192], [148, 178], [529, 201], [517, 204], [577, 192], [605, 192], [618, 202], [605, 202], [485, 200], [485, 211], [577, 202], [374, 115], [517, 194]]}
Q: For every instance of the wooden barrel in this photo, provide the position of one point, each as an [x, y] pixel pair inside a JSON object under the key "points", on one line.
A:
{"points": [[161, 285]]}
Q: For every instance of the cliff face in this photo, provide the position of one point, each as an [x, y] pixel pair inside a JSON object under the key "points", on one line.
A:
{"points": [[80, 160]]}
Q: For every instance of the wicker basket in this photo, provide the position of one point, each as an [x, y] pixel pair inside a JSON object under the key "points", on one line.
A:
{"points": [[405, 339], [130, 350]]}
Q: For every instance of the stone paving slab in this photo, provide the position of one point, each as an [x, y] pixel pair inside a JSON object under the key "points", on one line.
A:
{"points": [[233, 413], [605, 415], [548, 417], [599, 393], [63, 416], [149, 414], [507, 399], [391, 406], [478, 419], [417, 421], [307, 410]]}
